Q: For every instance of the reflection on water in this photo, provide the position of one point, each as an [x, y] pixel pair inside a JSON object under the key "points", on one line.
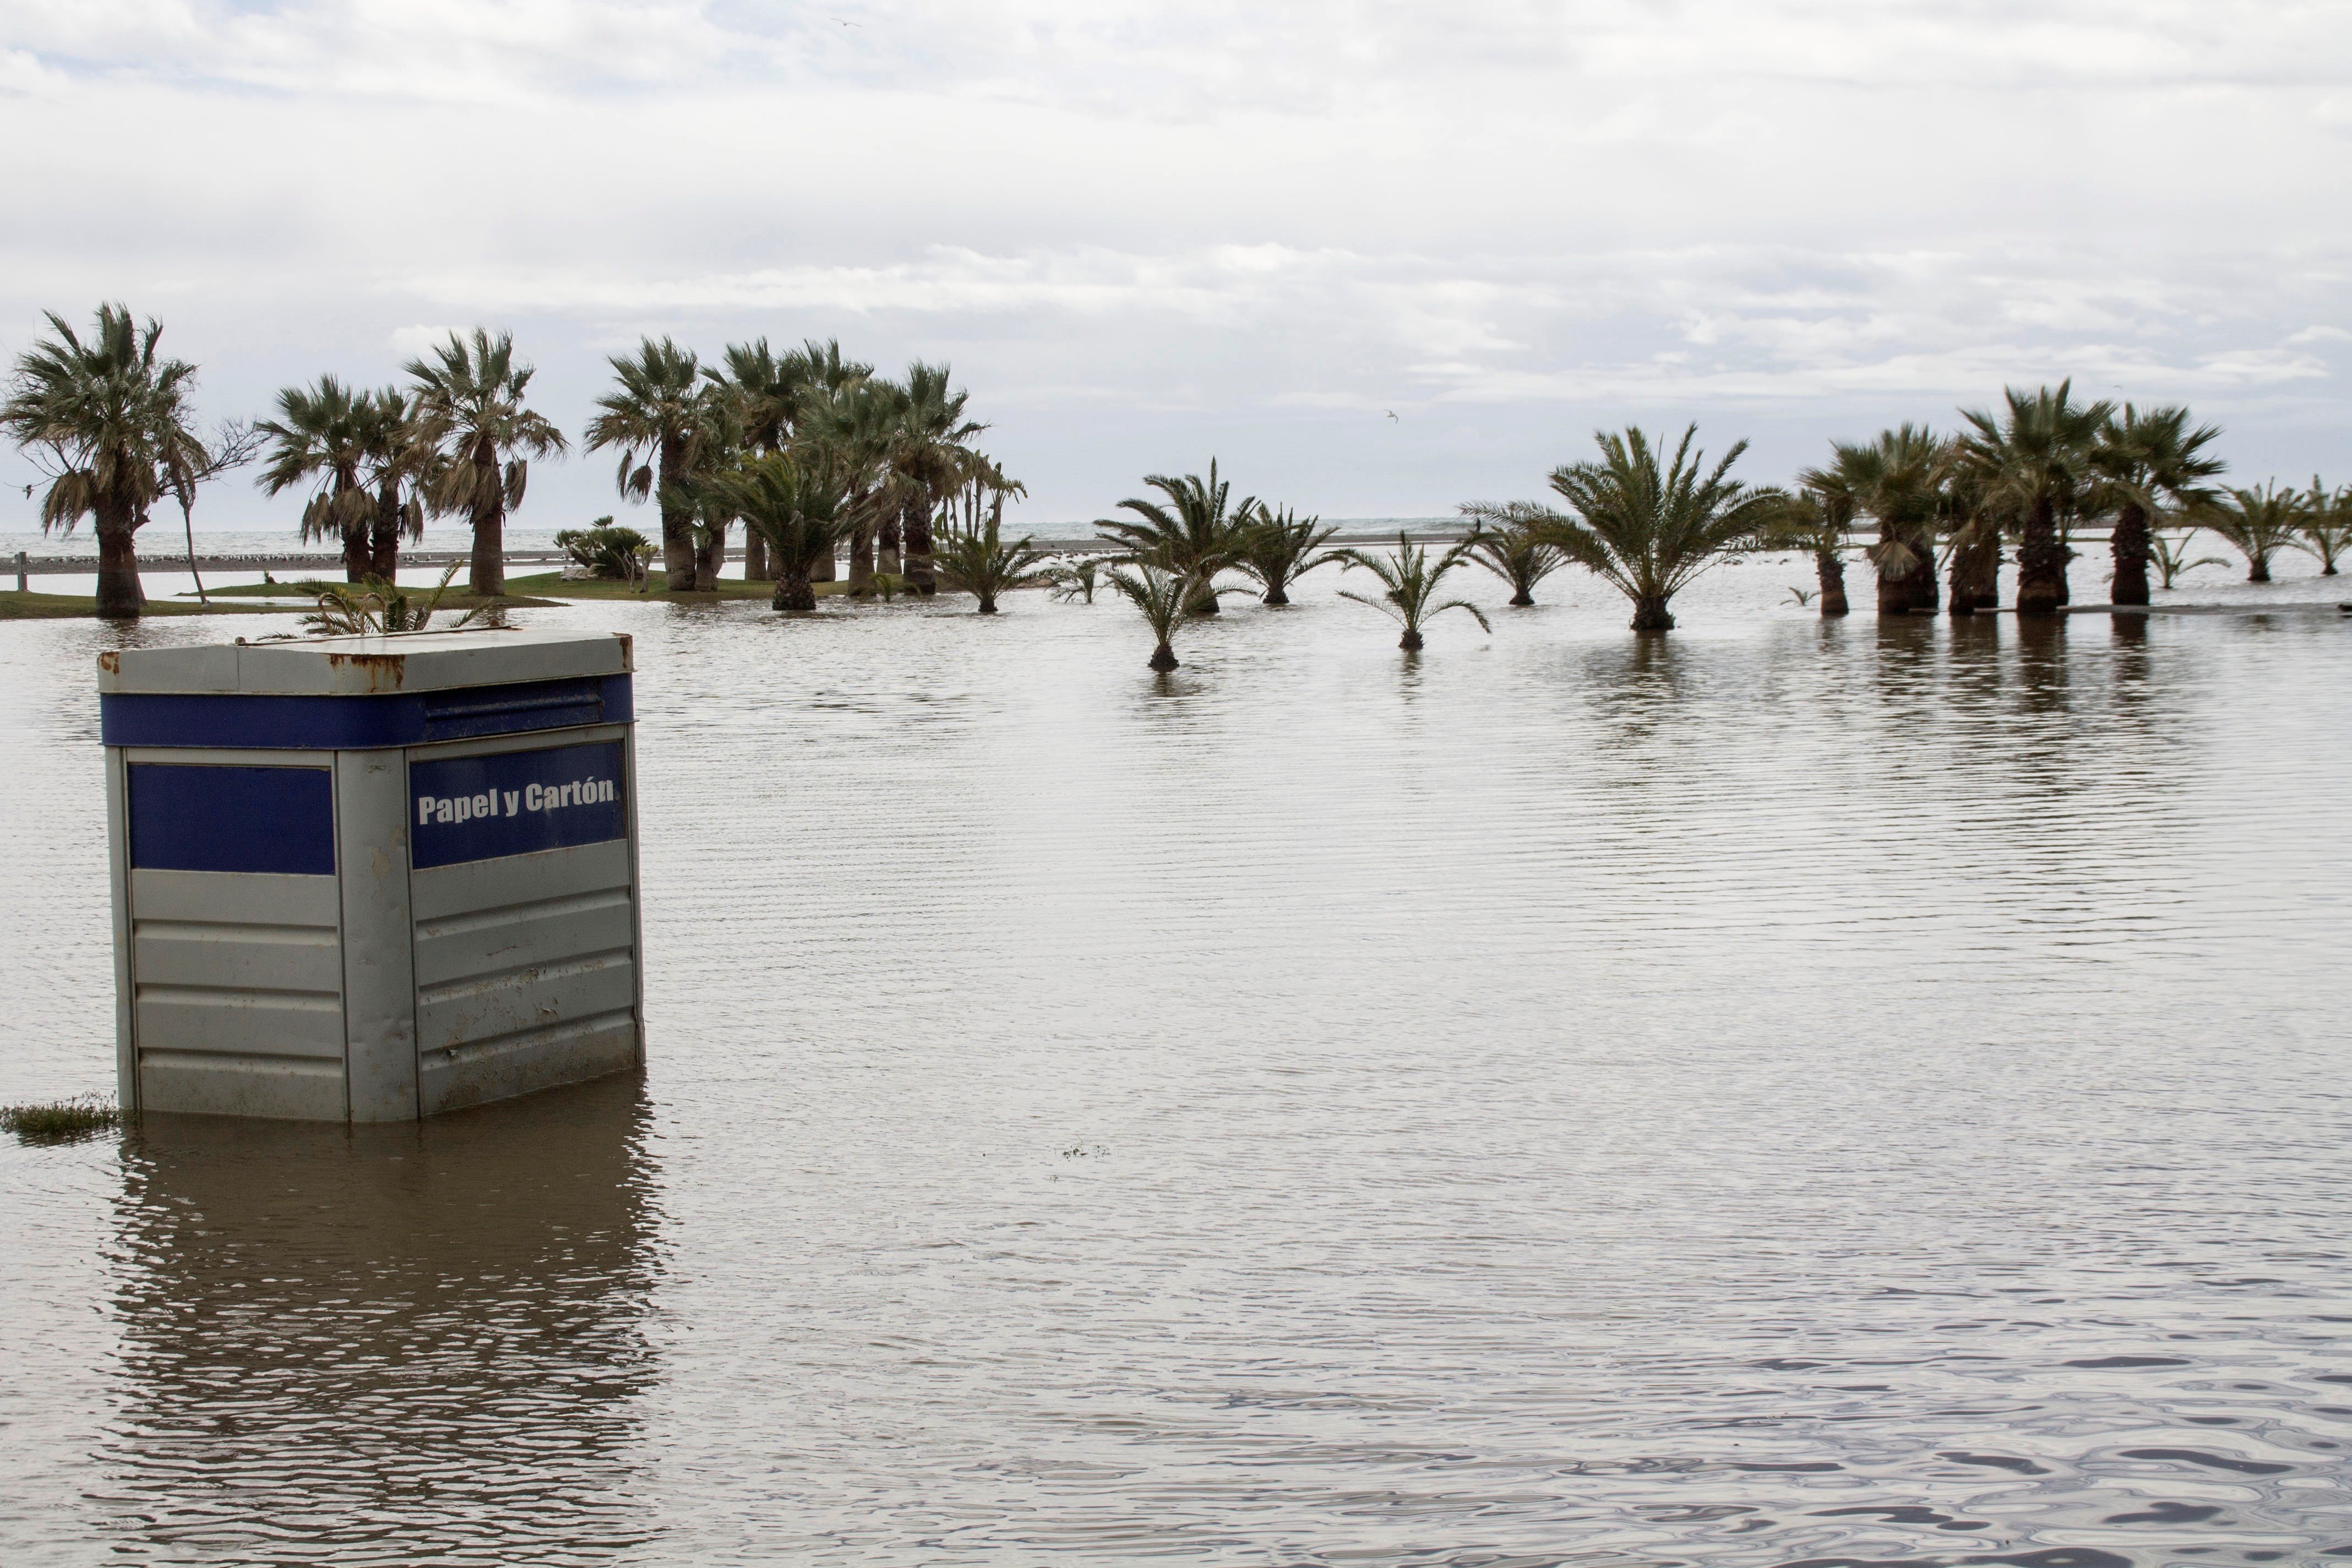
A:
{"points": [[386, 1344], [1785, 1092]]}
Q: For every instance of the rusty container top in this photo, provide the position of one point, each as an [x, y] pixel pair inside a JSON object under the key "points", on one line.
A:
{"points": [[407, 662]]}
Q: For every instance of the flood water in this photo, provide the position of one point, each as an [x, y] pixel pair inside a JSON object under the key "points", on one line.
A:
{"points": [[1787, 1093]]}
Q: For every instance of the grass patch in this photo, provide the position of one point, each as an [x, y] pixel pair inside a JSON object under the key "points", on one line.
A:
{"points": [[31, 607], [61, 1121], [314, 588]]}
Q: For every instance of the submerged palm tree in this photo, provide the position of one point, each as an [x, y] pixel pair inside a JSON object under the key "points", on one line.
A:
{"points": [[799, 508], [1898, 480], [1648, 530], [1078, 579], [1196, 533], [2258, 524], [2327, 524], [2170, 555], [1820, 521], [1509, 540], [1163, 598], [977, 561], [667, 424], [326, 434], [2149, 461], [2034, 461], [107, 420], [1409, 585], [471, 413], [1275, 550]]}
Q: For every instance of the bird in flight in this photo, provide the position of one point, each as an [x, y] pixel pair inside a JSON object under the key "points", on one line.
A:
{"points": [[1391, 414]]}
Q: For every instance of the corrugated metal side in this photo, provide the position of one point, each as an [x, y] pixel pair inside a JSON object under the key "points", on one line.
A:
{"points": [[526, 972], [238, 1004]]}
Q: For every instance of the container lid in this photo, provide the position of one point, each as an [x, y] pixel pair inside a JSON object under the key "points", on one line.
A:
{"points": [[367, 666]]}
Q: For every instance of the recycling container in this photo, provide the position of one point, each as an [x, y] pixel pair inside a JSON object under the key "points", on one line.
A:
{"points": [[370, 879]]}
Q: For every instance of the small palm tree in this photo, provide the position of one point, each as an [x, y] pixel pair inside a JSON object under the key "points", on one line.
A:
{"points": [[1820, 521], [1161, 596], [667, 424], [1648, 530], [1078, 579], [1898, 479], [470, 412], [2327, 524], [800, 507], [1409, 584], [1276, 547], [2149, 461], [108, 422], [2169, 554], [977, 560], [2035, 462], [1507, 541], [2258, 524], [1196, 533], [323, 435], [382, 610], [605, 550]]}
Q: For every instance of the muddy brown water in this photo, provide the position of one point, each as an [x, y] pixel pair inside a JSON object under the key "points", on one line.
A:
{"points": [[1790, 1093]]}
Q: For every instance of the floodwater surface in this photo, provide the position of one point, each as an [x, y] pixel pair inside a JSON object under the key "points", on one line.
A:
{"points": [[1783, 1093]]}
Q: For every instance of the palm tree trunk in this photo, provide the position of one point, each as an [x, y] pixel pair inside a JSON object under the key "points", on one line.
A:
{"points": [[1163, 658], [119, 590], [1650, 614], [383, 541], [487, 577], [2258, 568], [916, 526], [1833, 575], [2041, 562], [1410, 642], [861, 560], [987, 601], [1924, 600], [755, 558], [679, 563], [1278, 594], [792, 591], [827, 568], [709, 557], [2130, 545], [890, 561]]}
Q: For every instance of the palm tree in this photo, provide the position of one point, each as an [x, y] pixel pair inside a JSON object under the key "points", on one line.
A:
{"points": [[800, 508], [1078, 579], [769, 394], [977, 561], [1820, 521], [2327, 524], [108, 422], [1409, 584], [323, 434], [2259, 523], [1162, 596], [2035, 461], [1275, 547], [2172, 556], [859, 425], [931, 452], [1647, 530], [1974, 525], [1506, 540], [1196, 533], [397, 460], [2150, 460], [1898, 479], [471, 414], [668, 424]]}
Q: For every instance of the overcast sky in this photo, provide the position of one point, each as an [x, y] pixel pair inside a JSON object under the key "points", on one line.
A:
{"points": [[1148, 234]]}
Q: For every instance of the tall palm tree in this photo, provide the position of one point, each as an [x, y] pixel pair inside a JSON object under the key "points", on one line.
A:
{"points": [[1648, 530], [471, 414], [1409, 585], [1276, 548], [859, 425], [800, 508], [1898, 479], [2149, 461], [107, 421], [398, 467], [978, 561], [1820, 521], [2258, 522], [1196, 533], [1975, 525], [667, 424], [1507, 541], [935, 438], [2035, 460], [769, 392], [322, 437], [2327, 524], [1161, 596]]}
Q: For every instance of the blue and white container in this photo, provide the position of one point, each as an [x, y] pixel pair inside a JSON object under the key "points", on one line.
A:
{"points": [[370, 879]]}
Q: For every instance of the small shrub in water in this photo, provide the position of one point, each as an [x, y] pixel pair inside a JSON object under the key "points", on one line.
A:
{"points": [[60, 1121]]}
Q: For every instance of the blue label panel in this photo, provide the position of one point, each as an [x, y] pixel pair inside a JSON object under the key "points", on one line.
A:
{"points": [[360, 724], [193, 818], [515, 803]]}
